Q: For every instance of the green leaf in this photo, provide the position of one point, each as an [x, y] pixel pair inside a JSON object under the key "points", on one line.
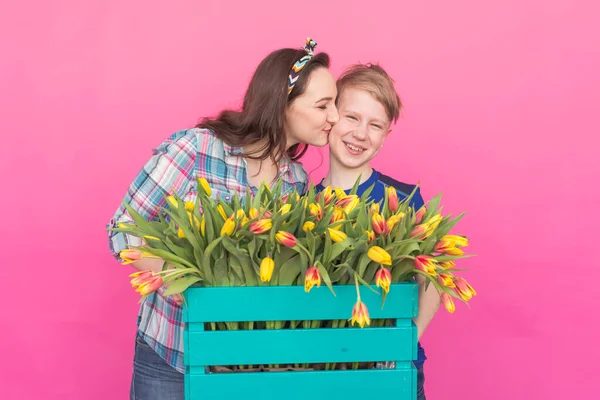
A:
{"points": [[338, 248], [325, 276], [181, 284], [289, 271], [364, 261], [328, 248], [243, 260], [141, 222], [221, 271], [207, 262], [361, 280]]}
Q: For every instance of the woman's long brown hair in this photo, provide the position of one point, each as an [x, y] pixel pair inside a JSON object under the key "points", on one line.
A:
{"points": [[263, 112]]}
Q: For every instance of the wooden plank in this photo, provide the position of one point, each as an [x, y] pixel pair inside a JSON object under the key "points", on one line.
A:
{"points": [[398, 384], [275, 303], [319, 345]]}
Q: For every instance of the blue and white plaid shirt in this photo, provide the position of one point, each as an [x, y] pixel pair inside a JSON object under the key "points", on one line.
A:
{"points": [[174, 167]]}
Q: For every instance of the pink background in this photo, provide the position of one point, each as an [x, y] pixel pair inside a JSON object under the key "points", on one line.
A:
{"points": [[499, 101]]}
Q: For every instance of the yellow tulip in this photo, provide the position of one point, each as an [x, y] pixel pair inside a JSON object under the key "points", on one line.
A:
{"points": [[221, 211], [458, 241], [180, 233], [379, 255], [308, 226], [228, 227], [172, 201], [266, 269], [203, 183], [393, 220], [285, 209], [337, 236]]}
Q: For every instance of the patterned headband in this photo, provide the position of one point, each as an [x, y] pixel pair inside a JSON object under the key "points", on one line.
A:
{"points": [[309, 48]]}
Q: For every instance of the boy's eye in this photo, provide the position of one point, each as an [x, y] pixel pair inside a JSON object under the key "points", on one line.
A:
{"points": [[322, 107], [377, 127], [352, 117]]}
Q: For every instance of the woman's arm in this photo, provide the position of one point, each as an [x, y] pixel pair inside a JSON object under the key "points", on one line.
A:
{"points": [[171, 169]]}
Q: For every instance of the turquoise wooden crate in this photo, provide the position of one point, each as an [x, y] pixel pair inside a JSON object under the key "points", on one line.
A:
{"points": [[289, 346]]}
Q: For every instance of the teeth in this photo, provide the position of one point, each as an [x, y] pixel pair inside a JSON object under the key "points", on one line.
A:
{"points": [[354, 147]]}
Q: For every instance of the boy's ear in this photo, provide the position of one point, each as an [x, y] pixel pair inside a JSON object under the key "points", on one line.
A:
{"points": [[388, 132]]}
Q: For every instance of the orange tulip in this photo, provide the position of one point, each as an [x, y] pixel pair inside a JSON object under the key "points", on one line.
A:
{"points": [[316, 211], [392, 199], [285, 238], [312, 278], [260, 226], [383, 279], [146, 282], [448, 302], [446, 280], [360, 314], [420, 214], [379, 225], [426, 264], [464, 290]]}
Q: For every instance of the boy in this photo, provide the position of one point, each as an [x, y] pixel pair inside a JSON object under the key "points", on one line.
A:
{"points": [[367, 104]]}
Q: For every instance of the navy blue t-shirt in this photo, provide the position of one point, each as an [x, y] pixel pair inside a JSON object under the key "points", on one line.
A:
{"points": [[404, 190]]}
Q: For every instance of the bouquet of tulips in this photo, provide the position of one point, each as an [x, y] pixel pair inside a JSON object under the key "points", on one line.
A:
{"points": [[276, 238]]}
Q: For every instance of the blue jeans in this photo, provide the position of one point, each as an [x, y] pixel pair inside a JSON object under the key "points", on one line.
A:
{"points": [[154, 379]]}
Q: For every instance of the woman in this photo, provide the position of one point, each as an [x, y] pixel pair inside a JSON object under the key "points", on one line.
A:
{"points": [[288, 105]]}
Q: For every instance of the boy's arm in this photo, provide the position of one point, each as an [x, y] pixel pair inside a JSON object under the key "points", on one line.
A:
{"points": [[429, 302]]}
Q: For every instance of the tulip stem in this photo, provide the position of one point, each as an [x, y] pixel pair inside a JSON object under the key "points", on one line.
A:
{"points": [[310, 257], [357, 288]]}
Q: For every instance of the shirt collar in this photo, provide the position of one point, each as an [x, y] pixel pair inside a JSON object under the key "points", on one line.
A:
{"points": [[284, 163]]}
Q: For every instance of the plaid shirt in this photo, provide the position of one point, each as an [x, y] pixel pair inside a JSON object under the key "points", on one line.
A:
{"points": [[174, 167]]}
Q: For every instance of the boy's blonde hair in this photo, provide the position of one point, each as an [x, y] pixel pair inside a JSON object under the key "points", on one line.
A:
{"points": [[374, 80]]}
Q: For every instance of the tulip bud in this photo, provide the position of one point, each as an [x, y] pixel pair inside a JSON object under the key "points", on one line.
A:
{"points": [[146, 282], [312, 278], [315, 210], [426, 264], [285, 209], [383, 279], [420, 214], [360, 314], [261, 226], [253, 213], [464, 290], [266, 269], [446, 280], [228, 227], [308, 226], [285, 238], [336, 235], [448, 302], [221, 211], [203, 184], [392, 198], [379, 255], [172, 202], [378, 223]]}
